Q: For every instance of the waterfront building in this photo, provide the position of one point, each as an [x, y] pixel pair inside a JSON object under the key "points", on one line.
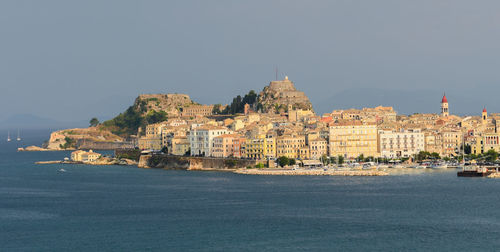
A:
{"points": [[262, 146], [451, 142], [289, 145], [150, 143], [353, 138], [402, 143], [224, 145], [179, 146], [201, 139], [84, 156], [318, 148]]}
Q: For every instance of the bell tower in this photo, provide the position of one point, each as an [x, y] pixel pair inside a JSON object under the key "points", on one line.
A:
{"points": [[484, 116], [444, 106]]}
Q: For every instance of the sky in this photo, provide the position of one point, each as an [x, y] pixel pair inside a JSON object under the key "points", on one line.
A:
{"points": [[73, 60]]}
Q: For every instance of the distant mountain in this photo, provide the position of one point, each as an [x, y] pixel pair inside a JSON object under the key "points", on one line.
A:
{"points": [[462, 102], [28, 121]]}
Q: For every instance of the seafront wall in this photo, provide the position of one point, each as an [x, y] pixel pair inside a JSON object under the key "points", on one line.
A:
{"points": [[192, 163], [315, 172], [96, 145]]}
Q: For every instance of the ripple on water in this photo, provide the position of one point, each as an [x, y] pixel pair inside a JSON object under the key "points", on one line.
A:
{"points": [[17, 214]]}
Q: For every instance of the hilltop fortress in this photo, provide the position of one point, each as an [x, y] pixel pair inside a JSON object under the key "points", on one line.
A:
{"points": [[282, 93]]}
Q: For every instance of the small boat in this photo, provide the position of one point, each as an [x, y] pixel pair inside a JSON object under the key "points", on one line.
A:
{"points": [[18, 137], [420, 167], [62, 170], [439, 166], [8, 136]]}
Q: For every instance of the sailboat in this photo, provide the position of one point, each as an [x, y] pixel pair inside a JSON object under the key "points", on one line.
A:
{"points": [[18, 137], [8, 136]]}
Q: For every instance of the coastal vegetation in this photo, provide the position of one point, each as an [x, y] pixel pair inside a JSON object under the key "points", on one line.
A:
{"points": [[284, 161], [131, 120], [94, 122], [69, 143]]}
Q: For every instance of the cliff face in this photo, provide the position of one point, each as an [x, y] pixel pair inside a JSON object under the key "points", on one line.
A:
{"points": [[280, 94], [170, 103], [72, 138]]}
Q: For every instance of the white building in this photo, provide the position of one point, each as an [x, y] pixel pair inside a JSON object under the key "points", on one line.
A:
{"points": [[201, 139], [404, 143]]}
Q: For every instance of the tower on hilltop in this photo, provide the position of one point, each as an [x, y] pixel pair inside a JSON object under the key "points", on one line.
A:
{"points": [[484, 116], [444, 106]]}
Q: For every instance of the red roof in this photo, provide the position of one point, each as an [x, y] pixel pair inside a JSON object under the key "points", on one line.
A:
{"points": [[484, 110], [444, 100]]}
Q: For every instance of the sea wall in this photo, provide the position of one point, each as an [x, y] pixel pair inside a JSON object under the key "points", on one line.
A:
{"points": [[98, 145], [192, 163]]}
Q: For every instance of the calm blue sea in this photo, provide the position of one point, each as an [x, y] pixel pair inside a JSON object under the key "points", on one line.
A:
{"points": [[118, 208]]}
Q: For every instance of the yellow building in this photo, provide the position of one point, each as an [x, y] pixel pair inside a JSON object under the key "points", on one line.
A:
{"points": [[260, 147], [180, 145], [290, 145], [84, 156], [451, 142], [353, 138], [150, 143], [485, 142], [318, 148]]}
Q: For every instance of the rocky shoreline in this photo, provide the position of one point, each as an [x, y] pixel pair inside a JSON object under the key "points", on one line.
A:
{"points": [[101, 161]]}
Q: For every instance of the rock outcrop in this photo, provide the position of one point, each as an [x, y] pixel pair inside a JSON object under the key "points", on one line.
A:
{"points": [[279, 95], [172, 104], [73, 138]]}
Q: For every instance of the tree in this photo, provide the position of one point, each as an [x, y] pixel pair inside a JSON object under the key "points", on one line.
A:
{"points": [[341, 159], [94, 122], [467, 149], [491, 155], [164, 149], [423, 155], [155, 117], [360, 158], [216, 110], [435, 155], [324, 159], [283, 161], [292, 161]]}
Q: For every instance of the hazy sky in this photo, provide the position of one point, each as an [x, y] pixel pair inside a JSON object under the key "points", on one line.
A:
{"points": [[71, 60]]}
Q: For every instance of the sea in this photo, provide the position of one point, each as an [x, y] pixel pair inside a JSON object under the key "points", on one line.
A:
{"points": [[125, 208]]}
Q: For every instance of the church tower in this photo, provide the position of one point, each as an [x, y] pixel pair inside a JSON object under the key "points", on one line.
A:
{"points": [[484, 116], [444, 106]]}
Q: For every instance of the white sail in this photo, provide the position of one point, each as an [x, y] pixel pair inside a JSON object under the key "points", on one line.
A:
{"points": [[8, 136], [18, 137]]}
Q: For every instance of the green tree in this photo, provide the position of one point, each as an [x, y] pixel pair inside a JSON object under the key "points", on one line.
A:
{"points": [[341, 159], [467, 149], [283, 161], [292, 161], [259, 165], [435, 155], [216, 110], [94, 122], [360, 158], [155, 117], [324, 159], [491, 155], [164, 149], [423, 155]]}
